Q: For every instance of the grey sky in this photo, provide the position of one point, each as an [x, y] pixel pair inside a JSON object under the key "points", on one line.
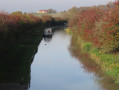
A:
{"points": [[35, 5]]}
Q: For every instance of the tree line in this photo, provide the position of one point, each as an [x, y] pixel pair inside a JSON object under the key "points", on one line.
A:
{"points": [[98, 25], [16, 26]]}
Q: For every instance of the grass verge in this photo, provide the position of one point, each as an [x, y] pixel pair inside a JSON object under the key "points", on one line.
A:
{"points": [[109, 63]]}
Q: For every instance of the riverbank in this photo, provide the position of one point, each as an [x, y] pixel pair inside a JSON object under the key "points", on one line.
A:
{"points": [[97, 31], [16, 61], [14, 26], [21, 30], [108, 62], [20, 35]]}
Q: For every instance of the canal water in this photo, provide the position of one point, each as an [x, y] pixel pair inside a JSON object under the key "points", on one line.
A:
{"points": [[56, 67], [58, 64]]}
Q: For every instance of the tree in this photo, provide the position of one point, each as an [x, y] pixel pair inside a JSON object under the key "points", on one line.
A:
{"points": [[17, 12], [51, 11]]}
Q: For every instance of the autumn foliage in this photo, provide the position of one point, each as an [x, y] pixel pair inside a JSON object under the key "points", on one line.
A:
{"points": [[16, 27], [19, 22], [99, 26]]}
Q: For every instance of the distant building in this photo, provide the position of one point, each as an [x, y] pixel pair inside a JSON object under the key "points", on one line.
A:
{"points": [[42, 11]]}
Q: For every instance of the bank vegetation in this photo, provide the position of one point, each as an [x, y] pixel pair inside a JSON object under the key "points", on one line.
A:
{"points": [[97, 31]]}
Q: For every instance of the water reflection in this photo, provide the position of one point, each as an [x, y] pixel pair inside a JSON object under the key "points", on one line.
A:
{"points": [[47, 38], [13, 86], [14, 74], [15, 66], [106, 82], [55, 69], [15, 71], [58, 65]]}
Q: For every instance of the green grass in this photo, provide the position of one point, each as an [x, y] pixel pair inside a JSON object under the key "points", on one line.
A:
{"points": [[39, 14], [109, 63], [50, 14], [68, 31]]}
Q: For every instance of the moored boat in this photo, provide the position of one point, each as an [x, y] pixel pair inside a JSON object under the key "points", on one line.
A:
{"points": [[48, 32]]}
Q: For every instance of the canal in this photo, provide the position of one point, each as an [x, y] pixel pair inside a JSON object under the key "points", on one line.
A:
{"points": [[57, 66]]}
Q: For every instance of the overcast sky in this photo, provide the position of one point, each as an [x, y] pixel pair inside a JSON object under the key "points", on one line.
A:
{"points": [[35, 5]]}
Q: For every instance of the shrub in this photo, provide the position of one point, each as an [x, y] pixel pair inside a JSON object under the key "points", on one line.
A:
{"points": [[99, 26]]}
